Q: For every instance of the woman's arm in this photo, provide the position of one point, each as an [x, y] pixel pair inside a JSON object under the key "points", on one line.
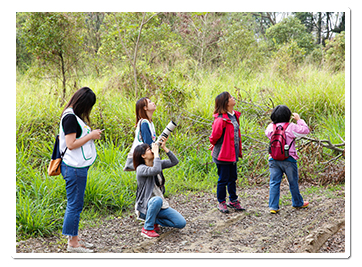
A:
{"points": [[144, 170], [217, 130], [72, 142], [146, 133], [170, 162]]}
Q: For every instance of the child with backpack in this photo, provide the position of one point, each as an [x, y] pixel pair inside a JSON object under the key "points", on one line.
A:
{"points": [[283, 155]]}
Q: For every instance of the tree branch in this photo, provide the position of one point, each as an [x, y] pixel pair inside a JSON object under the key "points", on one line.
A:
{"points": [[326, 144]]}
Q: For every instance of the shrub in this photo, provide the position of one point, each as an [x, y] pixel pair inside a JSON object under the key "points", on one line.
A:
{"points": [[335, 52]]}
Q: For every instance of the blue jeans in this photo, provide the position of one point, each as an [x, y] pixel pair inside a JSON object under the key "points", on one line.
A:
{"points": [[227, 178], [277, 168], [164, 217], [75, 183]]}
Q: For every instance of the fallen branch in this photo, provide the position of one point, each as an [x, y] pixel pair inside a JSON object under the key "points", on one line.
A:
{"points": [[326, 144]]}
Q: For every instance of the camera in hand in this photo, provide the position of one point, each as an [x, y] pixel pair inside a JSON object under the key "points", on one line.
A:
{"points": [[169, 128]]}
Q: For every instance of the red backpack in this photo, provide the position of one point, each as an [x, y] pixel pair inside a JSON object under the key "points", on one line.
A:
{"points": [[278, 147]]}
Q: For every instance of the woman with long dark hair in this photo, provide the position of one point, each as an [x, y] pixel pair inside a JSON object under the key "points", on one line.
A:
{"points": [[144, 112], [150, 202], [79, 153], [145, 130]]}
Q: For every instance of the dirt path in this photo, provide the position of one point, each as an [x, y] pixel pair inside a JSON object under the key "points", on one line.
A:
{"points": [[319, 228]]}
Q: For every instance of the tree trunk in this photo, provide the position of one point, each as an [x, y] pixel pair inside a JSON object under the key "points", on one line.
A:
{"points": [[135, 53], [319, 27], [63, 73]]}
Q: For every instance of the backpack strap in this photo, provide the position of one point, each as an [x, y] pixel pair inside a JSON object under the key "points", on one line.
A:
{"points": [[286, 125], [139, 133]]}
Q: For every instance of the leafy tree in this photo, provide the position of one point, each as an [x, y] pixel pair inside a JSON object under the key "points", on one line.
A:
{"points": [[288, 30], [23, 57], [322, 24], [200, 34], [239, 44], [307, 18], [92, 39], [55, 40], [138, 39]]}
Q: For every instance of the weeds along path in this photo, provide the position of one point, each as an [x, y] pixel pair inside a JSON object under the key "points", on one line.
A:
{"points": [[210, 231]]}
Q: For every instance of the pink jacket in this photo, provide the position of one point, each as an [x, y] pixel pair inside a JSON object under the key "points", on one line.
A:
{"points": [[293, 131]]}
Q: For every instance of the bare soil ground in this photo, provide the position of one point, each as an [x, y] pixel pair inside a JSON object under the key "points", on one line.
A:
{"points": [[316, 229]]}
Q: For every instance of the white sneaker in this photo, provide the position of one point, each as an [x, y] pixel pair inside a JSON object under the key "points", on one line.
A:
{"points": [[79, 249], [86, 244]]}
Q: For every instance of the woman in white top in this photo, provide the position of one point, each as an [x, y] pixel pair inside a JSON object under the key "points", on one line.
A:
{"points": [[76, 143]]}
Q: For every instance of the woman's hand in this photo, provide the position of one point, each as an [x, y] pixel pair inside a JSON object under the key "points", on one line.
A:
{"points": [[96, 134], [154, 149], [163, 144], [296, 116]]}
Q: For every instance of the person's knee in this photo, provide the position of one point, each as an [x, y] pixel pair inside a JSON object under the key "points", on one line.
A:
{"points": [[156, 201], [181, 223]]}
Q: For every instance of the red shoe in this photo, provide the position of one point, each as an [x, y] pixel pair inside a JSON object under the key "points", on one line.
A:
{"points": [[149, 233], [156, 228]]}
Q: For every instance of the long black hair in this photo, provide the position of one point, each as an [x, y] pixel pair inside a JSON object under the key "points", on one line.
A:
{"points": [[280, 113], [82, 102], [138, 160], [137, 154]]}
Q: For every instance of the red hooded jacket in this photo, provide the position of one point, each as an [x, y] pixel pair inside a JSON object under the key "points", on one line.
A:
{"points": [[224, 150]]}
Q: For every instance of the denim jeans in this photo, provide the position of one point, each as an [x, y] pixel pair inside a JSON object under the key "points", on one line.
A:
{"points": [[227, 178], [164, 217], [277, 168], [75, 183]]}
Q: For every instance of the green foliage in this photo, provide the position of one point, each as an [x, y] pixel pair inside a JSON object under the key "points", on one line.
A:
{"points": [[287, 57], [240, 47], [290, 30], [120, 33], [335, 52], [23, 57], [55, 40], [316, 56]]}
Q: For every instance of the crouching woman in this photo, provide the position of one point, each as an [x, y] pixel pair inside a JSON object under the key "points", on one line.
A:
{"points": [[150, 202]]}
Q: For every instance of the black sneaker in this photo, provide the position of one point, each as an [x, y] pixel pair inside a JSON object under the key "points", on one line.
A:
{"points": [[235, 205]]}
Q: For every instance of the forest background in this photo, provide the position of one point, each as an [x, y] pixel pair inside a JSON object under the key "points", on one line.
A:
{"points": [[181, 60]]}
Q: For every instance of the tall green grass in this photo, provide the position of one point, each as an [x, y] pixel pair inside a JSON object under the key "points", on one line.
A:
{"points": [[318, 96]]}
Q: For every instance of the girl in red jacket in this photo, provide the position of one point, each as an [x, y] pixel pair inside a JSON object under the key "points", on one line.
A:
{"points": [[225, 142]]}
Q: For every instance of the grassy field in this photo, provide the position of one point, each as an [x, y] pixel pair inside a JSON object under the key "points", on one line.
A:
{"points": [[317, 95]]}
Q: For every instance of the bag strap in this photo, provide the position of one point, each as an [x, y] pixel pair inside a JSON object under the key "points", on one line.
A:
{"points": [[140, 133], [66, 112], [62, 154], [286, 125]]}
